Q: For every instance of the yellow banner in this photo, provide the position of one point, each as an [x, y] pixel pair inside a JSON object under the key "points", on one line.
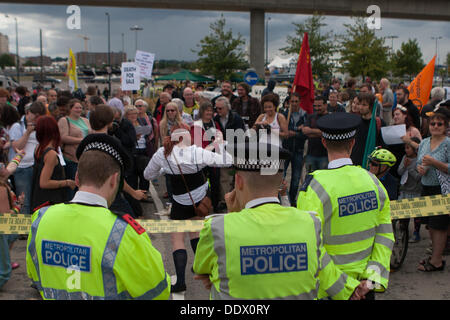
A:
{"points": [[400, 209], [72, 71]]}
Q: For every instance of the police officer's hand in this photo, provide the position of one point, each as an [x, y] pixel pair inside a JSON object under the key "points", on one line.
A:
{"points": [[361, 290], [205, 279], [231, 201]]}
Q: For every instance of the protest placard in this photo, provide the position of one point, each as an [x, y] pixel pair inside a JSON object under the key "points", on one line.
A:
{"points": [[130, 76], [145, 62]]}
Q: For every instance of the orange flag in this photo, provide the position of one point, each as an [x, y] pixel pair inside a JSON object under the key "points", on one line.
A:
{"points": [[420, 88], [303, 81]]}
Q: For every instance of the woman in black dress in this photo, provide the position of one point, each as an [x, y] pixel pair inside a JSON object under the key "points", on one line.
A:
{"points": [[49, 180]]}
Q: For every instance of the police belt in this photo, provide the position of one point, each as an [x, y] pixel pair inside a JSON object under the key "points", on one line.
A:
{"points": [[400, 209]]}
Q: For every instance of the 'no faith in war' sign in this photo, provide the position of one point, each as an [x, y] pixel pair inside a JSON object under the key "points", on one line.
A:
{"points": [[145, 62], [130, 76]]}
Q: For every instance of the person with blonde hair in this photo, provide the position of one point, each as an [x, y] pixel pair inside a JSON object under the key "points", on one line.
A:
{"points": [[171, 117]]}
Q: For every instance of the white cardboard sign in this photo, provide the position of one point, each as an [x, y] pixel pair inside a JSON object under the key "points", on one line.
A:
{"points": [[145, 62], [130, 76]]}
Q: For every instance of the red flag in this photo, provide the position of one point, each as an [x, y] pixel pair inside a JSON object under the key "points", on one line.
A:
{"points": [[303, 81]]}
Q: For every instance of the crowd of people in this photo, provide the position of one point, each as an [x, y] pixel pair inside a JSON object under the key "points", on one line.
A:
{"points": [[41, 132]]}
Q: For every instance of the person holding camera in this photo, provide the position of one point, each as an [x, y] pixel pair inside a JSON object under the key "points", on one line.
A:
{"points": [[274, 122], [182, 162], [22, 135]]}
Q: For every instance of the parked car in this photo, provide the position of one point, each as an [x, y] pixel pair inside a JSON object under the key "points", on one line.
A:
{"points": [[6, 82], [37, 78]]}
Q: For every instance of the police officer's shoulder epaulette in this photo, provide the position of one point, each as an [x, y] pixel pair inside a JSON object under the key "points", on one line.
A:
{"points": [[214, 215], [130, 220], [306, 183]]}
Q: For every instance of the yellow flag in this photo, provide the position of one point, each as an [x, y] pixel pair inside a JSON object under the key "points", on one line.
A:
{"points": [[420, 88], [72, 71]]}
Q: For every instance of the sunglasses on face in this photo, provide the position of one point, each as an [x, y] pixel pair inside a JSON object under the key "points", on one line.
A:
{"points": [[169, 110], [439, 124], [374, 164], [140, 105]]}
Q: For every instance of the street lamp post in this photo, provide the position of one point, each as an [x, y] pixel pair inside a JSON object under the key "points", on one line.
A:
{"points": [[109, 56], [136, 28], [17, 49], [436, 52], [267, 41], [392, 44]]}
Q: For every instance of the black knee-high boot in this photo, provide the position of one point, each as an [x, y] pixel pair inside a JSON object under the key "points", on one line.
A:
{"points": [[180, 261], [194, 243]]}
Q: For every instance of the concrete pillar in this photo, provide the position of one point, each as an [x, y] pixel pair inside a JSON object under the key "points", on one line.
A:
{"points": [[257, 37]]}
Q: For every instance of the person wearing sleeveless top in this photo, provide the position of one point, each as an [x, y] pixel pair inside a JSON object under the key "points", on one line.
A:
{"points": [[272, 119], [49, 179], [178, 153]]}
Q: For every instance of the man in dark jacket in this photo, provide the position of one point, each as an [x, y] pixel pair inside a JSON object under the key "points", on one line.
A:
{"points": [[269, 89], [295, 143], [227, 120], [246, 106]]}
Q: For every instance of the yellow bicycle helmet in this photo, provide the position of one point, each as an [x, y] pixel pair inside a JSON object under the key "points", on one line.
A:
{"points": [[383, 156]]}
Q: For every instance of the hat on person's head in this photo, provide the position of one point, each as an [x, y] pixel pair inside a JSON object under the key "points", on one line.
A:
{"points": [[109, 145], [441, 109], [254, 155], [339, 126]]}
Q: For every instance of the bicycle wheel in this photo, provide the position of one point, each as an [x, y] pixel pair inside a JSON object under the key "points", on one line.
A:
{"points": [[400, 227]]}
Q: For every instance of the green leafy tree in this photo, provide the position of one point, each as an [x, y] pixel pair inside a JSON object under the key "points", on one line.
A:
{"points": [[448, 59], [362, 53], [29, 63], [408, 60], [221, 54], [321, 45], [6, 61]]}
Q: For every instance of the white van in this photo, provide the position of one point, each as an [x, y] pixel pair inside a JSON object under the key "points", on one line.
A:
{"points": [[6, 82]]}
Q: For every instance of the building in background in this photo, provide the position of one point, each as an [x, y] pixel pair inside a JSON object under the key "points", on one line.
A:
{"points": [[98, 59], [46, 61], [4, 43]]}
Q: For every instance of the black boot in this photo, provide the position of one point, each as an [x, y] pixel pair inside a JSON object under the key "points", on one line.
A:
{"points": [[180, 261], [194, 243]]}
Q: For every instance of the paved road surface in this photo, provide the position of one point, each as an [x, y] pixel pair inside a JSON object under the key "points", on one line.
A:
{"points": [[405, 284]]}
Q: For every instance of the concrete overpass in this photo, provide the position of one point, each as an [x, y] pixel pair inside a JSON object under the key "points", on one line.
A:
{"points": [[438, 10]]}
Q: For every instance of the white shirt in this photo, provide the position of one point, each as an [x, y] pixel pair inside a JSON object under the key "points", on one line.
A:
{"points": [[259, 201], [339, 163], [89, 198], [16, 132], [191, 160]]}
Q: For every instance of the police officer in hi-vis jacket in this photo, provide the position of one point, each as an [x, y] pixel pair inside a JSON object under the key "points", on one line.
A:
{"points": [[260, 249], [354, 209], [82, 250]]}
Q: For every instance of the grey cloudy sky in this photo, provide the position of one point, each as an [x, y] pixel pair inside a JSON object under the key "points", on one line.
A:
{"points": [[171, 34]]}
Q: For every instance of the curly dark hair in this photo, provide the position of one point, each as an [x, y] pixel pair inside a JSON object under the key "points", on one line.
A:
{"points": [[271, 97], [8, 115]]}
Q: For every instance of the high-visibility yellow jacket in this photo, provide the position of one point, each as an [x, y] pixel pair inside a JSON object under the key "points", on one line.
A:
{"points": [[355, 212], [268, 252], [77, 251]]}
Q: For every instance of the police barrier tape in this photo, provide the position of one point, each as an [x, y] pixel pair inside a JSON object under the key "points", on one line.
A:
{"points": [[400, 209]]}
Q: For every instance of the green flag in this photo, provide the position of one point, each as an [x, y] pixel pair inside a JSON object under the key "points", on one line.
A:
{"points": [[371, 137]]}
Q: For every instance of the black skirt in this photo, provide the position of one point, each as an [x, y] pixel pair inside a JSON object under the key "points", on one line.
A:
{"points": [[182, 212]]}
